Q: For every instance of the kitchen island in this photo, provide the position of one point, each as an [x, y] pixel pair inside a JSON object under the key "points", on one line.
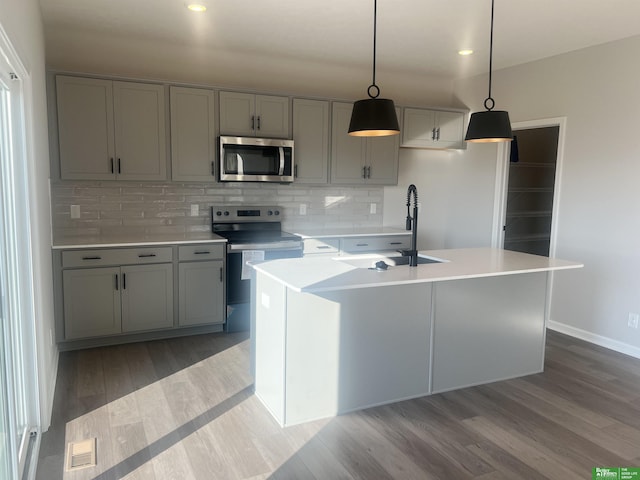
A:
{"points": [[333, 335]]}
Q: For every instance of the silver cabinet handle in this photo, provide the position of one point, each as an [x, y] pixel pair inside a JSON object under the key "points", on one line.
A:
{"points": [[433, 133], [395, 243], [438, 133], [220, 273], [258, 127], [364, 172], [295, 170], [362, 244], [111, 164], [124, 281], [92, 258], [146, 255], [253, 122], [204, 252], [213, 168], [117, 281], [119, 169], [322, 247]]}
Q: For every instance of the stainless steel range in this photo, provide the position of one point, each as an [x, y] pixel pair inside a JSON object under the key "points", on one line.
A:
{"points": [[253, 233]]}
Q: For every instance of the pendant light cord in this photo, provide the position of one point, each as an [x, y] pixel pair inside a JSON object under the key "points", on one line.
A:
{"points": [[489, 98], [373, 84]]}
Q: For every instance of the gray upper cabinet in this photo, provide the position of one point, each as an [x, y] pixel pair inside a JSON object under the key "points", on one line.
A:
{"points": [[85, 128], [111, 130], [193, 134], [424, 128], [246, 114], [361, 160], [311, 137]]}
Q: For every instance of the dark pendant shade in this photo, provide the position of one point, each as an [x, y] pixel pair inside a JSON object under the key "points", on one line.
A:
{"points": [[489, 126], [374, 117]]}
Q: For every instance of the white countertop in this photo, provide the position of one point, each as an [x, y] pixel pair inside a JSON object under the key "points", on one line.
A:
{"points": [[130, 240], [329, 232], [329, 274]]}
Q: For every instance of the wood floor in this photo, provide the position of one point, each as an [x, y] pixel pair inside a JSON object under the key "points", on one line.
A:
{"points": [[183, 409]]}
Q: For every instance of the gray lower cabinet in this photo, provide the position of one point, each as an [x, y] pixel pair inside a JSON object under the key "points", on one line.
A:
{"points": [[354, 245], [110, 300], [109, 295], [201, 284], [92, 303], [147, 297]]}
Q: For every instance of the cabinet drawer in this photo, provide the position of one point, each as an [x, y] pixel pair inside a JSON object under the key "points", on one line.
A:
{"points": [[116, 256], [374, 244], [201, 252], [321, 245]]}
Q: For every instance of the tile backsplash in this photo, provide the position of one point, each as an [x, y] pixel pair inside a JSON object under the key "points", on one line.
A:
{"points": [[146, 208]]}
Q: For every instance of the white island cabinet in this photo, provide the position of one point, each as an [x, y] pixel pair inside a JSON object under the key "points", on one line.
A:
{"points": [[331, 336]]}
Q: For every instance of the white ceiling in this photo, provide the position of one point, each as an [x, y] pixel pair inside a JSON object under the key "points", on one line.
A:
{"points": [[414, 36]]}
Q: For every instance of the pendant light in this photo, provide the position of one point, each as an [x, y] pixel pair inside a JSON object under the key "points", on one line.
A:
{"points": [[373, 116], [492, 125]]}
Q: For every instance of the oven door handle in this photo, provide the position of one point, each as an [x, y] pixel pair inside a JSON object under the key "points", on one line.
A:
{"points": [[238, 247], [281, 153]]}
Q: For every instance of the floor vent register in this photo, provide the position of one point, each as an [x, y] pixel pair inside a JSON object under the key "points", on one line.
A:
{"points": [[81, 454]]}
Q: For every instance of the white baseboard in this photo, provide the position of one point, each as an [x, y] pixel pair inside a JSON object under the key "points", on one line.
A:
{"points": [[605, 342]]}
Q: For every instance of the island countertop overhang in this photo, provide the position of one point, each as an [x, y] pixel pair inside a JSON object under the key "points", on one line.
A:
{"points": [[316, 275]]}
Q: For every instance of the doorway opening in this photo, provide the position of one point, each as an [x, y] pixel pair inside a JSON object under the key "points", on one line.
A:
{"points": [[528, 180]]}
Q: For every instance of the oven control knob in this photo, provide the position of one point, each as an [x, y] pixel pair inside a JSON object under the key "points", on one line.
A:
{"points": [[277, 212], [226, 213], [269, 212], [218, 213]]}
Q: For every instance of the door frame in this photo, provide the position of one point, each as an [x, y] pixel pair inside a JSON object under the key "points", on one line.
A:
{"points": [[502, 180]]}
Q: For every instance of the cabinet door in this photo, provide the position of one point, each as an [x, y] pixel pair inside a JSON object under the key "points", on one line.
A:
{"points": [[311, 137], [200, 293], [418, 129], [237, 114], [272, 116], [424, 128], [450, 133], [347, 152], [193, 141], [139, 112], [85, 128], [147, 297], [382, 159], [91, 302]]}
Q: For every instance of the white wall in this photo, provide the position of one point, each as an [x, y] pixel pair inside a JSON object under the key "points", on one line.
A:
{"points": [[21, 21], [596, 89], [75, 50], [455, 190]]}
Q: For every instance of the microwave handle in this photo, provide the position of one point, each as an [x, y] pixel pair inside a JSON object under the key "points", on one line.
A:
{"points": [[281, 153]]}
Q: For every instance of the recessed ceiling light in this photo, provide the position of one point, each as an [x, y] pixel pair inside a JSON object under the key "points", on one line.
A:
{"points": [[196, 7], [465, 52]]}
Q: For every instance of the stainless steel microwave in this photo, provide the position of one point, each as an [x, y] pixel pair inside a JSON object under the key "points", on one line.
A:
{"points": [[248, 159]]}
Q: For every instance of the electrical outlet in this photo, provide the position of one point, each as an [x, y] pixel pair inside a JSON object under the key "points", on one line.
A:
{"points": [[303, 209], [75, 211], [195, 210], [633, 320], [373, 208]]}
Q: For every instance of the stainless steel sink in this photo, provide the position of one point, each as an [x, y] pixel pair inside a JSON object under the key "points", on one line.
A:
{"points": [[369, 261]]}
